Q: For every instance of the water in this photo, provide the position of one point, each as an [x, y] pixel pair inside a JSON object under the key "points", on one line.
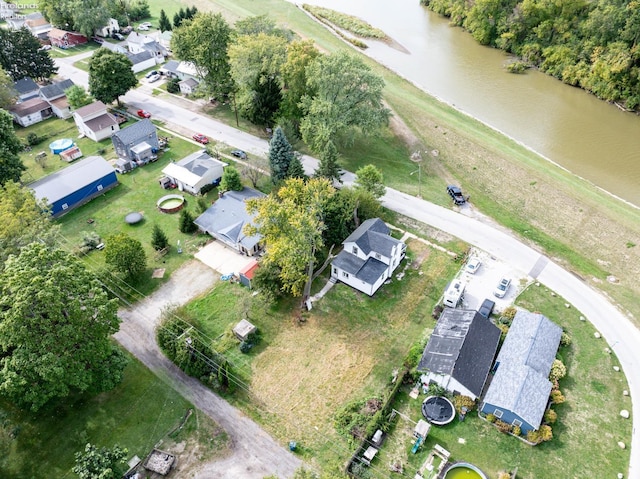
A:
{"points": [[587, 136]]}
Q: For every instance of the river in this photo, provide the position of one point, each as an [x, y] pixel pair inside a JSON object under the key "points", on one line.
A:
{"points": [[587, 136]]}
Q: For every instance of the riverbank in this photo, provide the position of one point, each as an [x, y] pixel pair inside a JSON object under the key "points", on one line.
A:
{"points": [[574, 222]]}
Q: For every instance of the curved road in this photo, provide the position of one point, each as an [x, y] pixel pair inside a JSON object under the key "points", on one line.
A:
{"points": [[622, 336]]}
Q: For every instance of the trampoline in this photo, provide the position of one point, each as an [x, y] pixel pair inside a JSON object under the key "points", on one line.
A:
{"points": [[438, 410], [59, 146], [133, 218]]}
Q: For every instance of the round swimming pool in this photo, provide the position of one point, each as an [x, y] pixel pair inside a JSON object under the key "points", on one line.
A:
{"points": [[464, 470], [59, 146], [438, 410], [171, 203]]}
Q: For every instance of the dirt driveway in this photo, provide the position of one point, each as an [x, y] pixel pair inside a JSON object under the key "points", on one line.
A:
{"points": [[254, 453]]}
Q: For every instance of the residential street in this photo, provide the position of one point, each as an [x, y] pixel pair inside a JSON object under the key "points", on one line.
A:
{"points": [[621, 335]]}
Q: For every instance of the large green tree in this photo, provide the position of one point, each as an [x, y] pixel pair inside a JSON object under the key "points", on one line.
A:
{"points": [[78, 97], [280, 155], [56, 324], [300, 54], [23, 220], [328, 166], [260, 24], [21, 55], [89, 15], [164, 24], [110, 75], [8, 93], [231, 180], [125, 254], [348, 208], [100, 463], [346, 96], [11, 166], [370, 179], [291, 224], [204, 41]]}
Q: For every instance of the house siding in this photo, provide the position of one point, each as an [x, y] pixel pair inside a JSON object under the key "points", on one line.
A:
{"points": [[149, 63], [83, 195], [448, 383], [507, 416]]}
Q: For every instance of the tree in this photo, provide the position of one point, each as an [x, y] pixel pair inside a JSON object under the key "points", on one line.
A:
{"points": [[260, 24], [138, 9], [11, 167], [347, 97], [8, 94], [280, 156], [21, 56], [110, 75], [163, 23], [348, 208], [328, 167], [159, 239], [90, 15], [78, 96], [185, 223], [125, 254], [255, 171], [300, 54], [23, 220], [369, 178], [231, 180], [56, 323], [204, 41], [177, 21], [291, 223], [296, 170], [100, 463]]}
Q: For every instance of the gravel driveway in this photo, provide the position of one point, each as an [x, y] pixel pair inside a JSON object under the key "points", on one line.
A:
{"points": [[254, 453]]}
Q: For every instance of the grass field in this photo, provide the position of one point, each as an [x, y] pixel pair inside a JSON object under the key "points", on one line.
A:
{"points": [[137, 414], [585, 435]]}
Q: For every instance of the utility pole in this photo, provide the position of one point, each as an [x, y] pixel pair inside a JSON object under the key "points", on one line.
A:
{"points": [[416, 157]]}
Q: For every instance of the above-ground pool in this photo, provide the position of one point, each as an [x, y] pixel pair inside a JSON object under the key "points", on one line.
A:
{"points": [[170, 203], [463, 470], [438, 410], [59, 146]]}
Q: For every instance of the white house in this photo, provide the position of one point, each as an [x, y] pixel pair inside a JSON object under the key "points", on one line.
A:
{"points": [[38, 25], [368, 257], [181, 70], [137, 43], [106, 31], [95, 122], [188, 86], [141, 61], [195, 171], [31, 111], [55, 95]]}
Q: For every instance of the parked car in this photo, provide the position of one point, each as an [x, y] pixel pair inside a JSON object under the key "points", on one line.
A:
{"points": [[118, 36], [98, 40], [151, 73], [239, 154], [126, 30], [144, 114], [200, 138], [486, 308], [456, 194], [143, 27], [45, 47], [153, 78], [473, 265], [502, 288], [146, 24]]}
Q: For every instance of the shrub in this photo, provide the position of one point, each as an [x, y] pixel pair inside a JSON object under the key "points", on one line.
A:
{"points": [[90, 239], [435, 389], [516, 430], [557, 397], [534, 437], [491, 418], [504, 475], [172, 85], [550, 416], [509, 313], [546, 433], [159, 239], [517, 67], [186, 224], [558, 370], [565, 339], [503, 427], [33, 139], [461, 401]]}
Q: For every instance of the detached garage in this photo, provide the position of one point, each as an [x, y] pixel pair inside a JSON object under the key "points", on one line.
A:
{"points": [[74, 186]]}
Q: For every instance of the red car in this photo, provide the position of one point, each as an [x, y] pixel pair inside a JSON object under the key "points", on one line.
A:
{"points": [[144, 114], [200, 138]]}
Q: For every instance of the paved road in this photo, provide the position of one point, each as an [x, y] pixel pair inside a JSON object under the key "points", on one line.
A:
{"points": [[254, 454], [622, 336]]}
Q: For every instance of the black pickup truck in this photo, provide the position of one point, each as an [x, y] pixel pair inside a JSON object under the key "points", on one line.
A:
{"points": [[456, 195]]}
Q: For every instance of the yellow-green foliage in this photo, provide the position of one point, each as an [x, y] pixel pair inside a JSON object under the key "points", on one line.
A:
{"points": [[347, 22]]}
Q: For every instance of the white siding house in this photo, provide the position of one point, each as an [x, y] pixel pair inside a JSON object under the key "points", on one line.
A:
{"points": [[369, 257], [95, 122], [195, 171]]}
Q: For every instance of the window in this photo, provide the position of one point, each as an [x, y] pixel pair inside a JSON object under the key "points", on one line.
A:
{"points": [[65, 206], [517, 423], [335, 271], [99, 187], [354, 250], [345, 274], [497, 413]]}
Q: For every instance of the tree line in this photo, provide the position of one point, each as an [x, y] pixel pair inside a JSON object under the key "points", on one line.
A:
{"points": [[590, 44]]}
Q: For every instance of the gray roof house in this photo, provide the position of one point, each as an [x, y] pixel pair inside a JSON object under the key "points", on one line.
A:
{"points": [[94, 121], [114, 47], [226, 218], [26, 89], [31, 111], [141, 61], [126, 140], [368, 257], [55, 95], [519, 391], [195, 171], [460, 352]]}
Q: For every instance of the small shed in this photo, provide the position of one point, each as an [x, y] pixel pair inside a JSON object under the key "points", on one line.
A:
{"points": [[243, 329], [71, 154], [160, 462], [369, 454], [422, 429], [247, 273]]}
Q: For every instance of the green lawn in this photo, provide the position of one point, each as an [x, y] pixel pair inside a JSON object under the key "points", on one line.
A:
{"points": [[63, 53], [137, 414], [585, 435]]}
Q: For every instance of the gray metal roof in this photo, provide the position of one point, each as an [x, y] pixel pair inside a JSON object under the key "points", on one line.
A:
{"points": [[114, 47], [521, 383], [199, 163], [368, 270], [171, 66], [70, 179], [56, 90], [228, 215], [140, 57], [137, 132], [25, 85], [373, 235]]}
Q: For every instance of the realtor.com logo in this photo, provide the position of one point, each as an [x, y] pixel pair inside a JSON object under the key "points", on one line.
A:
{"points": [[14, 8]]}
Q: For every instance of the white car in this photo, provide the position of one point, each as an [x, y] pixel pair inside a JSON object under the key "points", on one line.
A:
{"points": [[146, 24], [502, 288], [143, 27], [473, 265], [153, 78]]}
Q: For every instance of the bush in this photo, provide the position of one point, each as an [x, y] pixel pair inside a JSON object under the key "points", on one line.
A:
{"points": [[90, 239], [546, 433], [558, 370], [517, 67], [516, 430], [565, 339], [503, 427], [491, 418], [461, 401], [435, 389], [186, 224], [33, 139], [172, 85], [557, 397], [509, 313], [159, 239], [550, 416]]}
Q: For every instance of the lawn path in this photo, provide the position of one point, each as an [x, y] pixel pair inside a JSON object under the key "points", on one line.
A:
{"points": [[254, 453]]}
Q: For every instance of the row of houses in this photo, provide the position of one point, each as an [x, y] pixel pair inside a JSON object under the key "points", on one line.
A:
{"points": [[36, 103]]}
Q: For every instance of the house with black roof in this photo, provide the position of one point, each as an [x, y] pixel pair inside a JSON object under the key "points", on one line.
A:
{"points": [[55, 96], [369, 256], [460, 352], [520, 388], [94, 121], [26, 89], [137, 142], [141, 61], [226, 218]]}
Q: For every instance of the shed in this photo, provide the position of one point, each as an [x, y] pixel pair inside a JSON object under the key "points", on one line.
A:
{"points": [[369, 454], [247, 273], [159, 461], [422, 429], [75, 185], [243, 329]]}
